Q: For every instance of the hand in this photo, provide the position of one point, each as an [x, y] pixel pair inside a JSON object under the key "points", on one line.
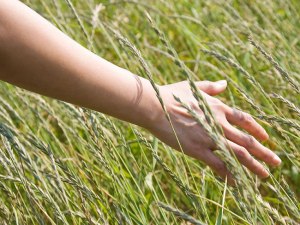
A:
{"points": [[196, 142]]}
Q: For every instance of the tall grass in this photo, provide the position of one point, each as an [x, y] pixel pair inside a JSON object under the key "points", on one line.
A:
{"points": [[62, 164]]}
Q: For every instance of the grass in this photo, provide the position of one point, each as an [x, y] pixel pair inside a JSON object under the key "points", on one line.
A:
{"points": [[61, 164]]}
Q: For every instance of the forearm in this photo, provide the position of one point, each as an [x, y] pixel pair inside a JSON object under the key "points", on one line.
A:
{"points": [[37, 56]]}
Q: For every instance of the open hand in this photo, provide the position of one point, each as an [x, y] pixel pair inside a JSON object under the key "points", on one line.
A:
{"points": [[196, 142]]}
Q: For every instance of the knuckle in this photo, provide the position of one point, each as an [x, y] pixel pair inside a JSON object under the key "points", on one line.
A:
{"points": [[219, 167], [241, 153], [238, 114], [248, 119], [243, 117], [249, 141]]}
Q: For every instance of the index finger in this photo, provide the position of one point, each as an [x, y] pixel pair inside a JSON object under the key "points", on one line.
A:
{"points": [[246, 121]]}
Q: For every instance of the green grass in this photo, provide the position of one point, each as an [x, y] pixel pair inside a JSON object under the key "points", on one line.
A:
{"points": [[61, 164]]}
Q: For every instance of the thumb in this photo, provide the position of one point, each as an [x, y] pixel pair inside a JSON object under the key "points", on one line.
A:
{"points": [[212, 88]]}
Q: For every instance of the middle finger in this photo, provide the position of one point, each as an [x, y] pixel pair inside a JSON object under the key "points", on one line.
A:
{"points": [[251, 144]]}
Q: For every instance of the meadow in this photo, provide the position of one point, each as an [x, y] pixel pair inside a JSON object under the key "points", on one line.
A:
{"points": [[62, 164]]}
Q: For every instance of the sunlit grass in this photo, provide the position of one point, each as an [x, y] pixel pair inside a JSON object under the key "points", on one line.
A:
{"points": [[61, 164]]}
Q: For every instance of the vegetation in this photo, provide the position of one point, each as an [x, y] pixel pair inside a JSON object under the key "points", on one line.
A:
{"points": [[62, 164]]}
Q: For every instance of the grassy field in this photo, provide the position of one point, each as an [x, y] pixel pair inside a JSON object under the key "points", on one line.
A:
{"points": [[61, 164]]}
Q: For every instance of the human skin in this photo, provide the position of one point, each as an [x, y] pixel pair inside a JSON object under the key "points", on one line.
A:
{"points": [[36, 56]]}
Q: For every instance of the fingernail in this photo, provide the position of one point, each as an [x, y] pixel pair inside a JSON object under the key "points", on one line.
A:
{"points": [[277, 160], [266, 174], [266, 136], [221, 82]]}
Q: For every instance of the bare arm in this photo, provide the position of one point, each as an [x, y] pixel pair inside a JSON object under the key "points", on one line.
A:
{"points": [[37, 56]]}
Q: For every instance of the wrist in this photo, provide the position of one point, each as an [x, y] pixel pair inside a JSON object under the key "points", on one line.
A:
{"points": [[150, 109]]}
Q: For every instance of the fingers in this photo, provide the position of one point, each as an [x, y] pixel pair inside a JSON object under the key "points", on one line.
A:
{"points": [[217, 165], [212, 88], [251, 144], [246, 121], [247, 160]]}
